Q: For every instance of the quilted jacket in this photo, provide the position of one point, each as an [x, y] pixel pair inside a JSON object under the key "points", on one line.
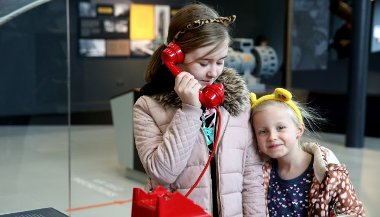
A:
{"points": [[173, 150], [331, 193]]}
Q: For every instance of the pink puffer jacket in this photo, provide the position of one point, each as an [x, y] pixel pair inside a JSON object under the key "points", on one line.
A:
{"points": [[173, 152]]}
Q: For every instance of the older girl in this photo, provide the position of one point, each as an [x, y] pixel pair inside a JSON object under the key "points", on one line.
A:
{"points": [[175, 133]]}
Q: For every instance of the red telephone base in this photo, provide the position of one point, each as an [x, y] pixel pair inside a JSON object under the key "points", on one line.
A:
{"points": [[162, 203]]}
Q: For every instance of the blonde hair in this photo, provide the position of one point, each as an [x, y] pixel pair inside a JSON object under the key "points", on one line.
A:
{"points": [[212, 33], [312, 120]]}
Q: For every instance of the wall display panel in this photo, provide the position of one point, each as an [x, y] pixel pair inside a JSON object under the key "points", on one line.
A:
{"points": [[103, 29], [124, 29], [90, 28], [149, 28], [141, 48], [92, 47], [162, 18], [119, 47], [142, 22]]}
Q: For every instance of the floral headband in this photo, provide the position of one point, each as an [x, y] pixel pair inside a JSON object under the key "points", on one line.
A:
{"points": [[198, 23], [281, 95]]}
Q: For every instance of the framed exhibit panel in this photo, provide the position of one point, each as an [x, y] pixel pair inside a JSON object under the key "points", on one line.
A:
{"points": [[103, 29], [124, 29]]}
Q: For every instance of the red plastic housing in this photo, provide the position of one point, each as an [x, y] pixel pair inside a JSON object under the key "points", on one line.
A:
{"points": [[162, 203]]}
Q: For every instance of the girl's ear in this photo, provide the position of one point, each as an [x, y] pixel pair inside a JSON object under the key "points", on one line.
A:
{"points": [[300, 131]]}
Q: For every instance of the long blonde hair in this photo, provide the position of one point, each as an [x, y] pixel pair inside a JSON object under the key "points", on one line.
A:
{"points": [[205, 35]]}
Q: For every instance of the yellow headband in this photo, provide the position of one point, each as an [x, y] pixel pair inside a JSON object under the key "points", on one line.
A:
{"points": [[281, 95]]}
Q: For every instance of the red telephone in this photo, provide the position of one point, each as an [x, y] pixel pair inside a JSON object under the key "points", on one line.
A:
{"points": [[211, 96]]}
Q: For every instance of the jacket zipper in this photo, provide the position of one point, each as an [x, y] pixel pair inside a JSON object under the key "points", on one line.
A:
{"points": [[217, 165]]}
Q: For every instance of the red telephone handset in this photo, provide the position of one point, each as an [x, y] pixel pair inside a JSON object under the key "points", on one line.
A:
{"points": [[211, 96]]}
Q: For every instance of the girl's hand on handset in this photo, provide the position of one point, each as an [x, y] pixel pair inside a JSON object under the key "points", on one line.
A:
{"points": [[187, 88]]}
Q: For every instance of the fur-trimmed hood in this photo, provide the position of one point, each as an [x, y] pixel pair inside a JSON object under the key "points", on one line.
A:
{"points": [[236, 93]]}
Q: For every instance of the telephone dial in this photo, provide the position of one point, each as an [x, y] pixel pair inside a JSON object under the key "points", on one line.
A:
{"points": [[211, 96]]}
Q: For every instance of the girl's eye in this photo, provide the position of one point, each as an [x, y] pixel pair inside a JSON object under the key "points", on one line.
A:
{"points": [[203, 64], [261, 132], [219, 63], [281, 127]]}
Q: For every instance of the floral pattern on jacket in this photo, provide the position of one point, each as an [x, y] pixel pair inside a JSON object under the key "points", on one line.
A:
{"points": [[331, 193]]}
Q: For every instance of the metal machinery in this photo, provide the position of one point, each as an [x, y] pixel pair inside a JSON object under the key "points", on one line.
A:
{"points": [[252, 62]]}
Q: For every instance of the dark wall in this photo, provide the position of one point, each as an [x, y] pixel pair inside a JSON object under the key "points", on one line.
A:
{"points": [[96, 80], [33, 60], [257, 18], [254, 18], [34, 65]]}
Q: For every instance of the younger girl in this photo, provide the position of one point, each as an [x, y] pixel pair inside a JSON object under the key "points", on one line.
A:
{"points": [[300, 179]]}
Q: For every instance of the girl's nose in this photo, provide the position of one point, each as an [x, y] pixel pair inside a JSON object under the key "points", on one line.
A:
{"points": [[213, 71], [272, 136]]}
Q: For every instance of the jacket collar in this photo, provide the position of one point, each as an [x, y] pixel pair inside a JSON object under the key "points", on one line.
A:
{"points": [[236, 93], [322, 158]]}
